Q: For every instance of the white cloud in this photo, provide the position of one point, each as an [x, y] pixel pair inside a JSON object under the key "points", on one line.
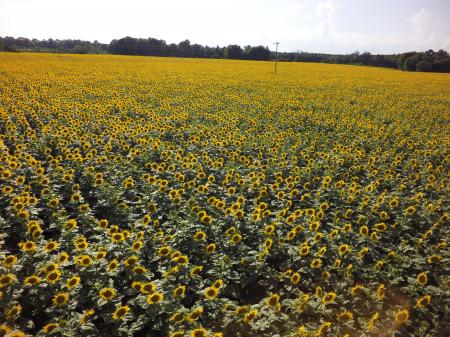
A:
{"points": [[421, 20]]}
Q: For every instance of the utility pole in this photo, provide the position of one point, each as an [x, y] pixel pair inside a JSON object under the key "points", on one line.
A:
{"points": [[276, 55]]}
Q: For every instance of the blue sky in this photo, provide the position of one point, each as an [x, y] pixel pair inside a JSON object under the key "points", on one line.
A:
{"points": [[333, 26]]}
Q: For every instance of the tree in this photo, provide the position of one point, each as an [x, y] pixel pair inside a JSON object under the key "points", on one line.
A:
{"points": [[233, 51], [259, 53], [424, 65]]}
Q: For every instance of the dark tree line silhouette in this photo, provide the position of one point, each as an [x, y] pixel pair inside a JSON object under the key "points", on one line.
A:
{"points": [[412, 61]]}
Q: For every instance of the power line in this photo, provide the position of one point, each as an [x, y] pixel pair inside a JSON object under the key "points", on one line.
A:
{"points": [[276, 55]]}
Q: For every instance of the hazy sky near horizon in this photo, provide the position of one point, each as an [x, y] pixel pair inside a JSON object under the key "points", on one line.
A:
{"points": [[331, 26]]}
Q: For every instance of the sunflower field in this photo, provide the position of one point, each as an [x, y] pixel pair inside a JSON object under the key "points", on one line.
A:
{"points": [[170, 197]]}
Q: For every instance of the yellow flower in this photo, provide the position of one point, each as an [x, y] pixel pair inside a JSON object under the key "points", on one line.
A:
{"points": [[107, 293], [423, 301], [32, 280], [73, 282], [329, 297], [199, 236], [248, 317], [316, 263], [60, 299], [218, 284], [236, 238], [401, 316], [345, 316], [9, 261], [50, 327], [199, 332], [53, 276], [343, 249], [113, 265], [155, 298], [148, 287], [211, 293], [51, 246], [295, 278], [179, 333], [273, 300], [323, 329], [86, 315], [179, 292], [83, 260], [422, 278], [210, 248], [28, 247], [120, 312]]}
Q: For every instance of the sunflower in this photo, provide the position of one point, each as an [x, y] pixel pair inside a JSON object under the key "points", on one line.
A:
{"points": [[295, 278], [140, 270], [178, 333], [211, 248], [86, 315], [364, 230], [53, 277], [117, 237], [304, 250], [101, 254], [164, 251], [345, 316], [329, 297], [137, 245], [73, 282], [268, 243], [357, 290], [31, 280], [273, 300], [199, 236], [211, 293], [423, 301], [422, 278], [112, 265], [103, 223], [84, 260], [148, 287], [177, 317], [63, 257], [107, 293], [316, 263], [17, 333], [314, 226], [155, 298], [7, 279], [196, 270], [218, 284], [9, 261], [120, 312], [179, 292], [343, 249], [323, 329], [401, 316], [269, 230], [199, 332], [248, 317], [5, 329], [410, 210], [51, 246], [236, 238], [60, 299], [28, 247], [50, 327]]}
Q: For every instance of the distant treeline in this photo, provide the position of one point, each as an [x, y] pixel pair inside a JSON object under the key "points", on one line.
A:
{"points": [[412, 61]]}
